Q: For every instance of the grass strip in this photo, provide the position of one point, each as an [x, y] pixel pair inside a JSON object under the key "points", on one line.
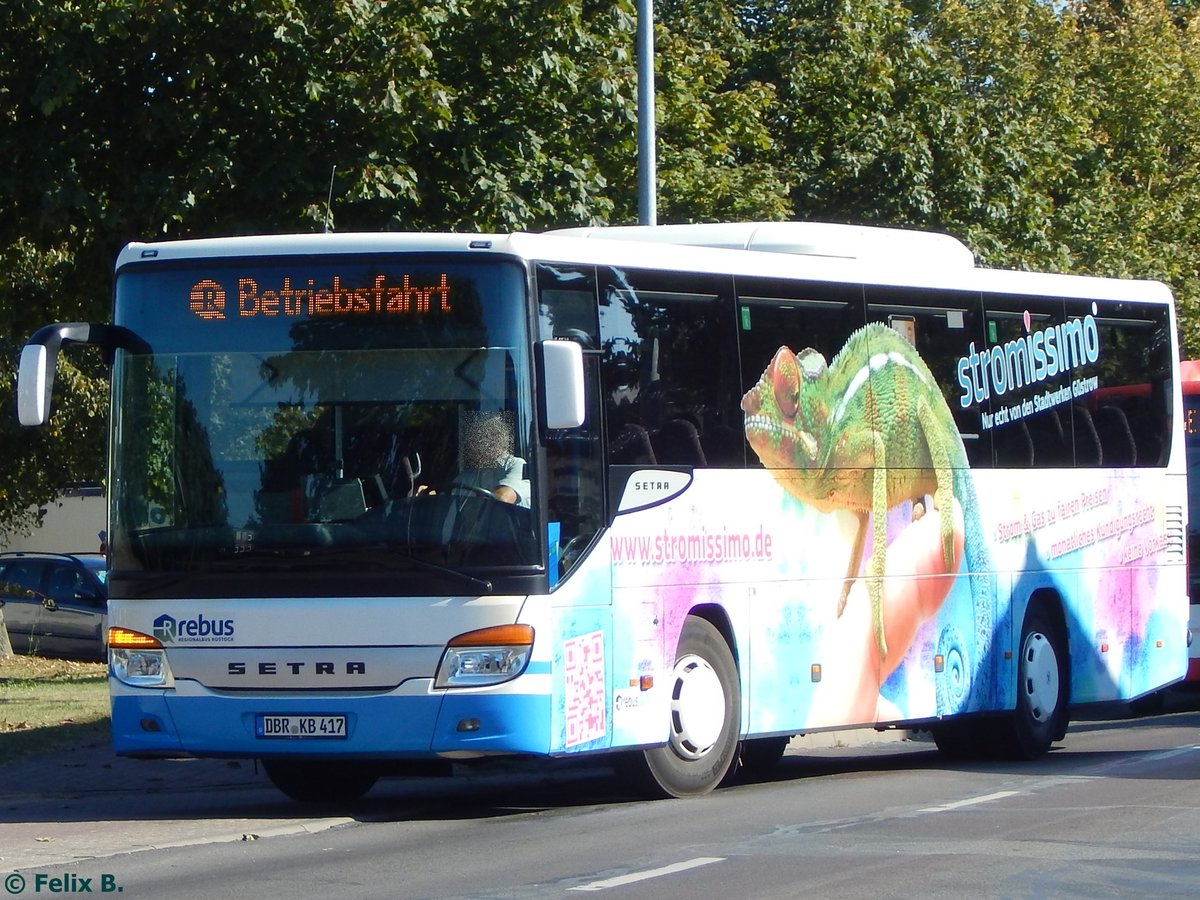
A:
{"points": [[50, 704]]}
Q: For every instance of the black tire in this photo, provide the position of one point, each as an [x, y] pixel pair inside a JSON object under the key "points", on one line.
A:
{"points": [[311, 781], [1042, 685], [759, 756], [961, 740], [705, 717]]}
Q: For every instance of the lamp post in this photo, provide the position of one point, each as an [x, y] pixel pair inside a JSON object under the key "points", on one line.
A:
{"points": [[647, 164]]}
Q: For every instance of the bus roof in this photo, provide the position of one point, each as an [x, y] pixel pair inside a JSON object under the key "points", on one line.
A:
{"points": [[776, 249], [889, 246]]}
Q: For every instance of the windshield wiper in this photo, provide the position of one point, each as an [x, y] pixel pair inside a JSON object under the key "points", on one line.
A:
{"points": [[481, 584]]}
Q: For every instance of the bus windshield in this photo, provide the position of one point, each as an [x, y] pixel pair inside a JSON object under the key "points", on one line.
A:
{"points": [[333, 415]]}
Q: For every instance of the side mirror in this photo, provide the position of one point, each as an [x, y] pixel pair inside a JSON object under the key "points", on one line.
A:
{"points": [[33, 392], [35, 374], [562, 384], [39, 356]]}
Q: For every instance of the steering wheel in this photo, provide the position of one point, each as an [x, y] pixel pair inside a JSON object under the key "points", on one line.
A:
{"points": [[470, 489]]}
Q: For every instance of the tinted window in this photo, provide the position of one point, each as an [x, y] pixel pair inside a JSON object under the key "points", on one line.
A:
{"points": [[774, 313], [941, 326], [68, 584], [671, 382], [1074, 382], [22, 578], [1122, 402]]}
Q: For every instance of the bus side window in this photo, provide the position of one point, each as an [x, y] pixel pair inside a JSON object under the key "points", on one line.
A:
{"points": [[1125, 391], [1117, 444], [669, 369], [775, 313], [1039, 436], [941, 326]]}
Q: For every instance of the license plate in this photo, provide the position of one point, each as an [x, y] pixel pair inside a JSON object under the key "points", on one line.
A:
{"points": [[311, 727]]}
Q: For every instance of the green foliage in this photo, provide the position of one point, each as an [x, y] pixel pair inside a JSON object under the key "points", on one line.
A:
{"points": [[1146, 71], [1045, 135], [38, 286], [717, 156]]}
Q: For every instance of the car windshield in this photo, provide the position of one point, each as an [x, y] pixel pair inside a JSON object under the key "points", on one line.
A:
{"points": [[322, 438]]}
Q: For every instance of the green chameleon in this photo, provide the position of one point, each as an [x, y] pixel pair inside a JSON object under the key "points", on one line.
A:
{"points": [[864, 433]]}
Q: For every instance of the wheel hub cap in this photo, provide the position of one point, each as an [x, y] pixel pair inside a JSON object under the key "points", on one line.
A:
{"points": [[1040, 676], [697, 707]]}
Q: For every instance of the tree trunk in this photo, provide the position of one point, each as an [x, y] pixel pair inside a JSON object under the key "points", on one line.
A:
{"points": [[5, 644]]}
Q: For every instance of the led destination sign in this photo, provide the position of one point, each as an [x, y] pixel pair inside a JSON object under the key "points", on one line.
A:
{"points": [[210, 300]]}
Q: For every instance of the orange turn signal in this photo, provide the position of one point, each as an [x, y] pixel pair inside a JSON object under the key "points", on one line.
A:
{"points": [[496, 636], [125, 639]]}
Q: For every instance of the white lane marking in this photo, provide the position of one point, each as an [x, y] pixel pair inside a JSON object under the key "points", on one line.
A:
{"points": [[1167, 754], [634, 877], [970, 801]]}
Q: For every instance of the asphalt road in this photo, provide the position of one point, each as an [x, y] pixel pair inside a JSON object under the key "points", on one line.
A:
{"points": [[1113, 812]]}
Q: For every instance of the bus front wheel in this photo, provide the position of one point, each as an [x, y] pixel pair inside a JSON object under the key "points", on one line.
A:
{"points": [[312, 781], [705, 715]]}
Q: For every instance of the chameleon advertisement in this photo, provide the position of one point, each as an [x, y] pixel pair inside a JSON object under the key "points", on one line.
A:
{"points": [[871, 574]]}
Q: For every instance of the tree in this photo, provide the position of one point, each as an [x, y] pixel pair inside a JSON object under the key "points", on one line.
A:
{"points": [[132, 119], [1045, 135], [136, 119], [1139, 212], [718, 159]]}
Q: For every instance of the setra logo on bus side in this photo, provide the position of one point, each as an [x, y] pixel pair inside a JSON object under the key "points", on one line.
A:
{"points": [[651, 486]]}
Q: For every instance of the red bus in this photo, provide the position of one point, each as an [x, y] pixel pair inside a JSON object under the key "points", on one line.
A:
{"points": [[1189, 378]]}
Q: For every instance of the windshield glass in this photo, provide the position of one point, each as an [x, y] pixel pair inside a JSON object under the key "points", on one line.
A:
{"points": [[375, 418]]}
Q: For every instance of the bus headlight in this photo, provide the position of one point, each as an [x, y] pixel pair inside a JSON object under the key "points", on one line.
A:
{"points": [[137, 659], [485, 657]]}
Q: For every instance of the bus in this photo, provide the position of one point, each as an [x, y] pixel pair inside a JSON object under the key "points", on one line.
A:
{"points": [[1189, 374], [739, 482]]}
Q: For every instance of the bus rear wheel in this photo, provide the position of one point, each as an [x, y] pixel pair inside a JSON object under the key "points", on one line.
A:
{"points": [[313, 781], [1042, 679], [960, 740], [705, 717]]}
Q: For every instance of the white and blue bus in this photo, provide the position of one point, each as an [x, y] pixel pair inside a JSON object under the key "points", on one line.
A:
{"points": [[738, 482]]}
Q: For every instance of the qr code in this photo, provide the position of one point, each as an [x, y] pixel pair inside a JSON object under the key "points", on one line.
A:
{"points": [[585, 695]]}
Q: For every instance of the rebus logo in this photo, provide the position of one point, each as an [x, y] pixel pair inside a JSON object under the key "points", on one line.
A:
{"points": [[170, 630], [164, 629]]}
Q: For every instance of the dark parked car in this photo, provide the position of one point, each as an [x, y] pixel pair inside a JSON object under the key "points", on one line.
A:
{"points": [[55, 604]]}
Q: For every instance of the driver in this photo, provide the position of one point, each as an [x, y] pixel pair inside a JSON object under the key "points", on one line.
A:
{"points": [[487, 459]]}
